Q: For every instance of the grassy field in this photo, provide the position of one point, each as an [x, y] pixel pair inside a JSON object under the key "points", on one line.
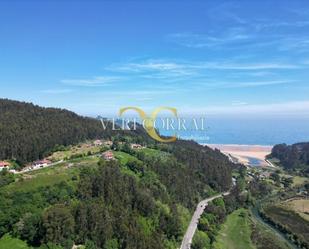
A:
{"points": [[235, 232], [7, 242], [264, 238], [289, 220], [298, 180], [123, 157], [82, 149], [35, 182], [242, 231], [49, 176], [300, 206]]}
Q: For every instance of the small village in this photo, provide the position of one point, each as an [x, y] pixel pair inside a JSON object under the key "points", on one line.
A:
{"points": [[106, 149], [98, 147]]}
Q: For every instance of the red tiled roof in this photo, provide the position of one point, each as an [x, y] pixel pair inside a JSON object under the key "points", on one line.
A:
{"points": [[4, 164], [108, 155]]}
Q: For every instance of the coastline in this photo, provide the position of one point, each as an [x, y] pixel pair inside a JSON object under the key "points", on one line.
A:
{"points": [[239, 145], [245, 154]]}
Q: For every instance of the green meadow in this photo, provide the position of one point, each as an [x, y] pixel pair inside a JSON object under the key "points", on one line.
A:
{"points": [[235, 232], [7, 242]]}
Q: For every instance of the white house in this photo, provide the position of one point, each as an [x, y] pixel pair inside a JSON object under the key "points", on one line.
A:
{"points": [[4, 165], [41, 163], [97, 142], [108, 155]]}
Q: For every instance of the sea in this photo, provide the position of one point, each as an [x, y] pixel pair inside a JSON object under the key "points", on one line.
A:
{"points": [[247, 130]]}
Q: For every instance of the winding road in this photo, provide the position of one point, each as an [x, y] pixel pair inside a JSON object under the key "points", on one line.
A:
{"points": [[187, 240]]}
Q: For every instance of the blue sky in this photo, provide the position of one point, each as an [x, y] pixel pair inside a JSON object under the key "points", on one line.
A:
{"points": [[202, 57]]}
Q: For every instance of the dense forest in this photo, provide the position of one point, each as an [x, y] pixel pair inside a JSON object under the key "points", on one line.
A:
{"points": [[104, 208], [110, 204], [192, 170], [29, 132], [294, 156]]}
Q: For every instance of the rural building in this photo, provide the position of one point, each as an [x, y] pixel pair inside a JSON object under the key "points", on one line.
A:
{"points": [[41, 163], [108, 143], [136, 146], [108, 155], [4, 165], [234, 181], [97, 143]]}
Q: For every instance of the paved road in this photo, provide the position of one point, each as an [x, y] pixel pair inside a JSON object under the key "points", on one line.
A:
{"points": [[270, 163], [187, 240]]}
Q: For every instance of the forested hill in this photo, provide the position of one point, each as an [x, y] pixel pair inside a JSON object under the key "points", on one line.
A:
{"points": [[292, 156], [28, 132], [140, 200]]}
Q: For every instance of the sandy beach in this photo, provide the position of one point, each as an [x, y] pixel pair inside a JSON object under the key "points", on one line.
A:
{"points": [[244, 153]]}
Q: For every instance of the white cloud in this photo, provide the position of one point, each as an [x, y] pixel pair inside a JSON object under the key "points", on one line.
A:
{"points": [[153, 68], [298, 44], [269, 24], [247, 66], [254, 35], [245, 84], [95, 81], [193, 40], [239, 103], [179, 73], [283, 108], [260, 83], [185, 71], [56, 91]]}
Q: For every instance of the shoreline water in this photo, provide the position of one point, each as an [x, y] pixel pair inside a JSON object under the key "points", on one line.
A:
{"points": [[254, 155], [240, 145]]}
